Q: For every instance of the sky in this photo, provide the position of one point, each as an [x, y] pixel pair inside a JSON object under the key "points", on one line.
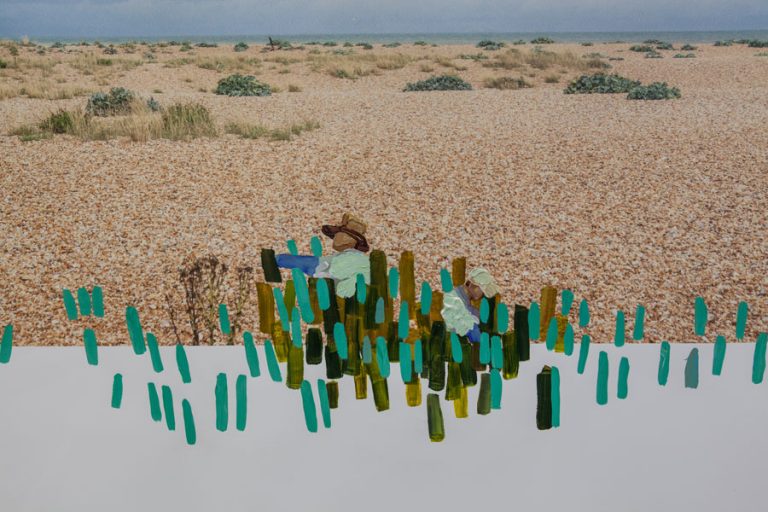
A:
{"points": [[156, 18]]}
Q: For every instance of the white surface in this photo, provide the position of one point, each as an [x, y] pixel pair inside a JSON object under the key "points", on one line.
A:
{"points": [[62, 447]]}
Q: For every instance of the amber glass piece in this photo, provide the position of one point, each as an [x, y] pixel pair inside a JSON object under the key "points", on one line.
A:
{"points": [[266, 299]]}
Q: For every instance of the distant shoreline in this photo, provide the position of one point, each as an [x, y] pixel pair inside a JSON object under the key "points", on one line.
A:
{"points": [[434, 38]]}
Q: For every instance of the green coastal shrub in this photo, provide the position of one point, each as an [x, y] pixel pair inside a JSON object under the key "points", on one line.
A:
{"points": [[3, 64], [654, 91], [420, 43], [207, 45], [242, 85], [757, 44], [640, 48], [391, 45], [240, 47], [519, 42], [487, 44], [688, 48], [724, 43], [685, 56], [663, 45], [58, 122], [110, 50], [542, 40], [153, 104], [439, 83], [117, 101], [601, 84], [473, 56], [653, 54]]}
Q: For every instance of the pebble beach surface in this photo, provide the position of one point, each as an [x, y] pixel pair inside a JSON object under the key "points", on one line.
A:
{"points": [[624, 202]]}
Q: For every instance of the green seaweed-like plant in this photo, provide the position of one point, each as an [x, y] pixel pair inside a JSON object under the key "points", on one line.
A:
{"points": [[654, 91], [439, 83], [242, 85], [117, 101], [487, 44], [240, 47], [601, 83]]}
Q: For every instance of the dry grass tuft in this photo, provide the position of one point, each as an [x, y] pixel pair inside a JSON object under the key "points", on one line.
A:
{"points": [[506, 83], [255, 131]]}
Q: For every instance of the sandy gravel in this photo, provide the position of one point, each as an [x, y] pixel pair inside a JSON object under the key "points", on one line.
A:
{"points": [[625, 202]]}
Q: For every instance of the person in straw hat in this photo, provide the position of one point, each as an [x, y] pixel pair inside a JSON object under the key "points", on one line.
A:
{"points": [[350, 258], [458, 313]]}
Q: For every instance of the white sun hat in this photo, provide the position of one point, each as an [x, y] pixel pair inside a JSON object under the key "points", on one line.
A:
{"points": [[484, 280]]}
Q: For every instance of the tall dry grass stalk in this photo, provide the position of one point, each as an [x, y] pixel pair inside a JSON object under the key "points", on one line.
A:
{"points": [[354, 65], [177, 122], [514, 58]]}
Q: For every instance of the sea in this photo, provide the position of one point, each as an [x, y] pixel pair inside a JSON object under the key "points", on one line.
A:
{"points": [[437, 38]]}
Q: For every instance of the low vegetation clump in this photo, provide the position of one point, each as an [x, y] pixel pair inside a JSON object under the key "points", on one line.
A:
{"points": [[653, 54], [724, 43], [537, 59], [3, 64], [685, 56], [640, 48], [487, 44], [153, 105], [255, 131], [663, 45], [542, 40], [203, 44], [688, 48], [177, 122], [420, 43], [242, 85], [609, 84], [58, 122], [118, 100], [30, 133], [279, 44], [439, 83], [240, 47], [330, 43], [755, 43], [394, 44], [506, 83], [654, 91], [587, 43], [473, 56], [187, 121], [110, 50], [601, 84], [519, 42], [761, 54]]}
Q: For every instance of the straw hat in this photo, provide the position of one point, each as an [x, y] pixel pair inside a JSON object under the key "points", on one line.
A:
{"points": [[351, 229]]}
